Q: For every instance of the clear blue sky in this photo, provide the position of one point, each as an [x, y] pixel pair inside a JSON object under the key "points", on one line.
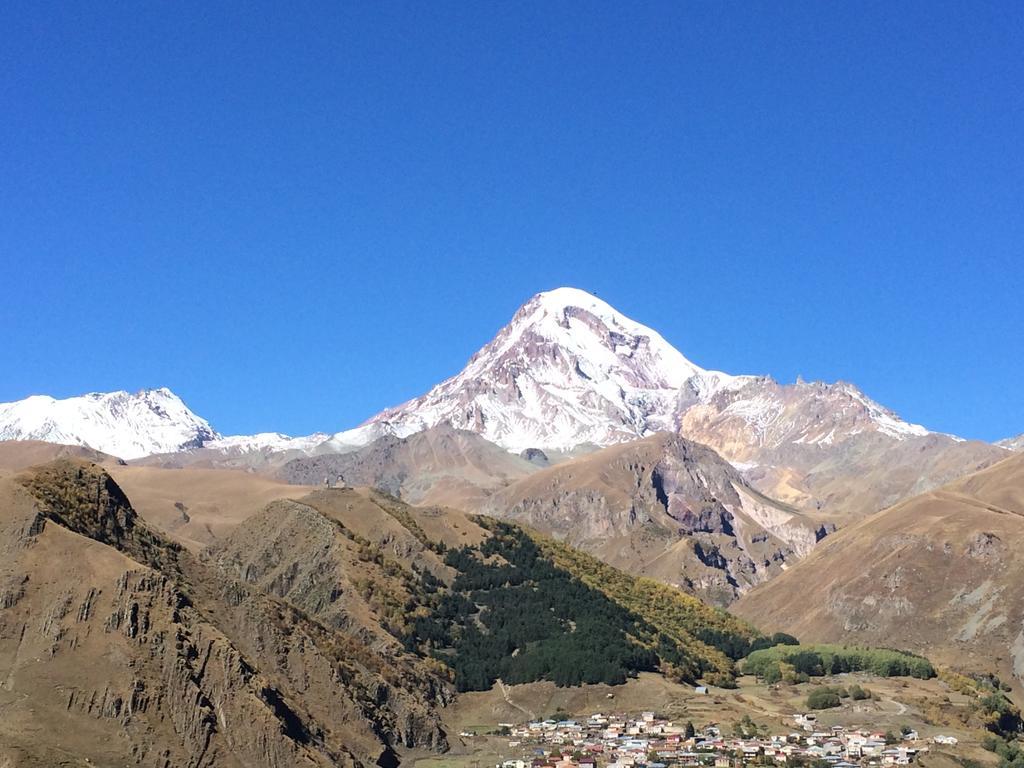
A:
{"points": [[296, 214]]}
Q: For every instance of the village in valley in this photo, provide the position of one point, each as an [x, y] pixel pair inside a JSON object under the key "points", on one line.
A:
{"points": [[620, 741]]}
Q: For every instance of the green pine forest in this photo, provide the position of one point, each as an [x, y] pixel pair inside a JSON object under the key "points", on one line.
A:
{"points": [[524, 608]]}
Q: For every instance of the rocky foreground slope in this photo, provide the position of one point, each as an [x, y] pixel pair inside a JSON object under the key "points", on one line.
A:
{"points": [[119, 647]]}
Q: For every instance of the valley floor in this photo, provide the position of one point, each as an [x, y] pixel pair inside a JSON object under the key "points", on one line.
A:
{"points": [[928, 707]]}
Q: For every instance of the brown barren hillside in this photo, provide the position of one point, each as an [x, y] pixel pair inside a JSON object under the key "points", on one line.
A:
{"points": [[16, 455], [197, 507], [941, 574]]}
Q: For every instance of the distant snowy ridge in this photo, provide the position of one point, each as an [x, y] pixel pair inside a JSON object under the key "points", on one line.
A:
{"points": [[570, 370], [123, 424], [265, 442], [1012, 443], [133, 425]]}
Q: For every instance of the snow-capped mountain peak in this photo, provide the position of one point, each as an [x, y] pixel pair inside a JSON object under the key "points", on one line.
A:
{"points": [[567, 370], [128, 425], [596, 334]]}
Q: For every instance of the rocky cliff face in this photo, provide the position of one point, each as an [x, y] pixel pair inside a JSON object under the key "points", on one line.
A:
{"points": [[121, 647], [354, 584], [667, 508]]}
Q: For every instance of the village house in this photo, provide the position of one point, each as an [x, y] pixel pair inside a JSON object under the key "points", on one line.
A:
{"points": [[651, 741]]}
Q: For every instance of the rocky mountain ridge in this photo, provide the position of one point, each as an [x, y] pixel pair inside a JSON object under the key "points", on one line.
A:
{"points": [[570, 370], [440, 465]]}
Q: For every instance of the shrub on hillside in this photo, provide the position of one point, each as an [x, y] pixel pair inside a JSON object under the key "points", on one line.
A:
{"points": [[859, 694], [823, 698]]}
